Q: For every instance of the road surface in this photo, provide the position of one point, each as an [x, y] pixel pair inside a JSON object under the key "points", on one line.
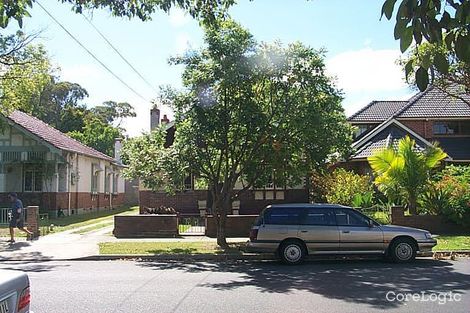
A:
{"points": [[316, 286]]}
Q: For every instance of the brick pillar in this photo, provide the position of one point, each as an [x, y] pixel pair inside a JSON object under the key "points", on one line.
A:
{"points": [[32, 219], [398, 215]]}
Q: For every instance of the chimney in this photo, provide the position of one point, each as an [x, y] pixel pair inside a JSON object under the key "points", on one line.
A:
{"points": [[164, 120], [117, 149], [154, 118]]}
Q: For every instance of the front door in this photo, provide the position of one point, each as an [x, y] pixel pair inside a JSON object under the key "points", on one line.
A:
{"points": [[319, 231], [355, 234]]}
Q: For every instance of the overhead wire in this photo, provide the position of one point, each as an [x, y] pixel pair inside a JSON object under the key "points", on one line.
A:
{"points": [[90, 53]]}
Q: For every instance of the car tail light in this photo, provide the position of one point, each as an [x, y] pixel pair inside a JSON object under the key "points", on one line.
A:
{"points": [[253, 234], [25, 299]]}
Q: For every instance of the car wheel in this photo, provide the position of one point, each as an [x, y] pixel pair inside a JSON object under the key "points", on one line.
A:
{"points": [[292, 252], [403, 250]]}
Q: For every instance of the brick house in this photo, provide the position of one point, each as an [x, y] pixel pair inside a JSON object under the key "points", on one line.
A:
{"points": [[429, 116], [53, 171], [195, 202]]}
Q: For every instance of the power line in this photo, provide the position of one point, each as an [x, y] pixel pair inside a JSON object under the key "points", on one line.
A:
{"points": [[91, 53], [119, 53]]}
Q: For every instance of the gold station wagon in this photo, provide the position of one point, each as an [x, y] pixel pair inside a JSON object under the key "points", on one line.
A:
{"points": [[296, 230]]}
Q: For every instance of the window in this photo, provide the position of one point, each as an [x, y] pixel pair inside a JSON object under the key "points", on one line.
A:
{"points": [[320, 217], [283, 216], [32, 180], [95, 175], [107, 180], [362, 129], [452, 128], [188, 183], [115, 183], [345, 217]]}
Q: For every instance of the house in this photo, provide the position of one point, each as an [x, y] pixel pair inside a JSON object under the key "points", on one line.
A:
{"points": [[53, 171], [430, 116], [197, 202]]}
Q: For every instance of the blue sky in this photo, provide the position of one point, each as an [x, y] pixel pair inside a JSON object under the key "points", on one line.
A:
{"points": [[361, 51]]}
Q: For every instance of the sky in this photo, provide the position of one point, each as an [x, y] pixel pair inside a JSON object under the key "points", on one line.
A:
{"points": [[361, 51]]}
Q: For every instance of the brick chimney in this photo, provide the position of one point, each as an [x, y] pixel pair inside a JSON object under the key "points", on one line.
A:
{"points": [[164, 120], [154, 118]]}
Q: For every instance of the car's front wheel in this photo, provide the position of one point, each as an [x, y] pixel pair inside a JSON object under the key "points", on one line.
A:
{"points": [[403, 250], [292, 252]]}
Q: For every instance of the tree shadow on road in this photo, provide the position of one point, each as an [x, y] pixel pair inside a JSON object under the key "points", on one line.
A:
{"points": [[365, 282]]}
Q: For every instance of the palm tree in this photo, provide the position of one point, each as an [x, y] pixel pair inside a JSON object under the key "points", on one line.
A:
{"points": [[405, 169]]}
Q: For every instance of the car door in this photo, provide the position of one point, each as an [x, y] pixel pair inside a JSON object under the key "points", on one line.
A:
{"points": [[356, 234], [319, 231]]}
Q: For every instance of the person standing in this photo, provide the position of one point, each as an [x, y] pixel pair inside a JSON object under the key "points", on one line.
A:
{"points": [[17, 218]]}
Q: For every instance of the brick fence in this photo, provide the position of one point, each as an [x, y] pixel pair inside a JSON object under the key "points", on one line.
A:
{"points": [[145, 226], [236, 225], [433, 223], [32, 219]]}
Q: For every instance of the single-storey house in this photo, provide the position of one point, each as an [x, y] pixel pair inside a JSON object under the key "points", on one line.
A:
{"points": [[430, 116], [194, 202], [49, 169]]}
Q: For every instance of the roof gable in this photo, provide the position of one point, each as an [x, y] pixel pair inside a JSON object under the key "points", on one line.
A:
{"points": [[53, 136]]}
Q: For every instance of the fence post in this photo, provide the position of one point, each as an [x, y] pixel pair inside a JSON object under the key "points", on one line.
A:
{"points": [[32, 219], [397, 215]]}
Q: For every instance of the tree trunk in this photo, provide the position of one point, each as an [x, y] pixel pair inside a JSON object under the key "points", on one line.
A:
{"points": [[222, 208], [413, 205]]}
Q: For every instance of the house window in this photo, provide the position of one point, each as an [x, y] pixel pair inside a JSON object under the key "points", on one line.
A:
{"points": [[451, 128], [95, 175], [363, 129], [115, 183], [32, 180]]}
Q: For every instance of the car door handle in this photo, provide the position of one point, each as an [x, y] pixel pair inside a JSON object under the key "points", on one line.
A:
{"points": [[304, 231], [346, 231]]}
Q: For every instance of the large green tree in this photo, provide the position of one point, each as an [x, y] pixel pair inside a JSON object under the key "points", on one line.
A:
{"points": [[438, 22], [249, 113], [405, 171]]}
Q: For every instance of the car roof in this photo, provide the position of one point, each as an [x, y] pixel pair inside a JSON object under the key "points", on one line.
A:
{"points": [[307, 205]]}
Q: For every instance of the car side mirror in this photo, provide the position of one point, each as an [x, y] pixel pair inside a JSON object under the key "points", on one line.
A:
{"points": [[370, 223]]}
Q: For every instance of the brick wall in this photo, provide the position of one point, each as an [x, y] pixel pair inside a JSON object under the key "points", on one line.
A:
{"points": [[236, 225], [185, 203], [421, 127], [432, 223], [145, 226], [32, 219]]}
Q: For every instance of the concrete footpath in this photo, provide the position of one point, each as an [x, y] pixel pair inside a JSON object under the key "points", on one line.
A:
{"points": [[68, 245]]}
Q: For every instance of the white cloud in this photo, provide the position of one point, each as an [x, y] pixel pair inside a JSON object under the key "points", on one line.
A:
{"points": [[179, 18], [367, 70]]}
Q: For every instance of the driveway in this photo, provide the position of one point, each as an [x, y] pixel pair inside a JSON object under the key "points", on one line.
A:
{"points": [[238, 287]]}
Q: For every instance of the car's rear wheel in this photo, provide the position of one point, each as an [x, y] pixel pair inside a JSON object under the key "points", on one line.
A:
{"points": [[292, 252], [403, 250]]}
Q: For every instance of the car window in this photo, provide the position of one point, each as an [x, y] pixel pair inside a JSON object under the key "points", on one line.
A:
{"points": [[320, 217], [345, 217], [283, 216]]}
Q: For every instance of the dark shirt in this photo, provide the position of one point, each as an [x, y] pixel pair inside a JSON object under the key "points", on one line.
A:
{"points": [[17, 209]]}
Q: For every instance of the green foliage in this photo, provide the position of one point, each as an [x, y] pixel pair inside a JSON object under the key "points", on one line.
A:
{"points": [[207, 10], [439, 23], [248, 112], [347, 188], [405, 171], [98, 135], [111, 111], [449, 195]]}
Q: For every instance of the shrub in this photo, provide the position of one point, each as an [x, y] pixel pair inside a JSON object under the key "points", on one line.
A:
{"points": [[449, 195], [347, 188], [160, 210]]}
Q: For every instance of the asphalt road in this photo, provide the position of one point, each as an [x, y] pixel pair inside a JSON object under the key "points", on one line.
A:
{"points": [[316, 286]]}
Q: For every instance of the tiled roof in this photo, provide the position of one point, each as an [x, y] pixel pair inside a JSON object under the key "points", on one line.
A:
{"points": [[435, 103], [458, 148], [53, 136], [388, 137], [377, 111]]}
